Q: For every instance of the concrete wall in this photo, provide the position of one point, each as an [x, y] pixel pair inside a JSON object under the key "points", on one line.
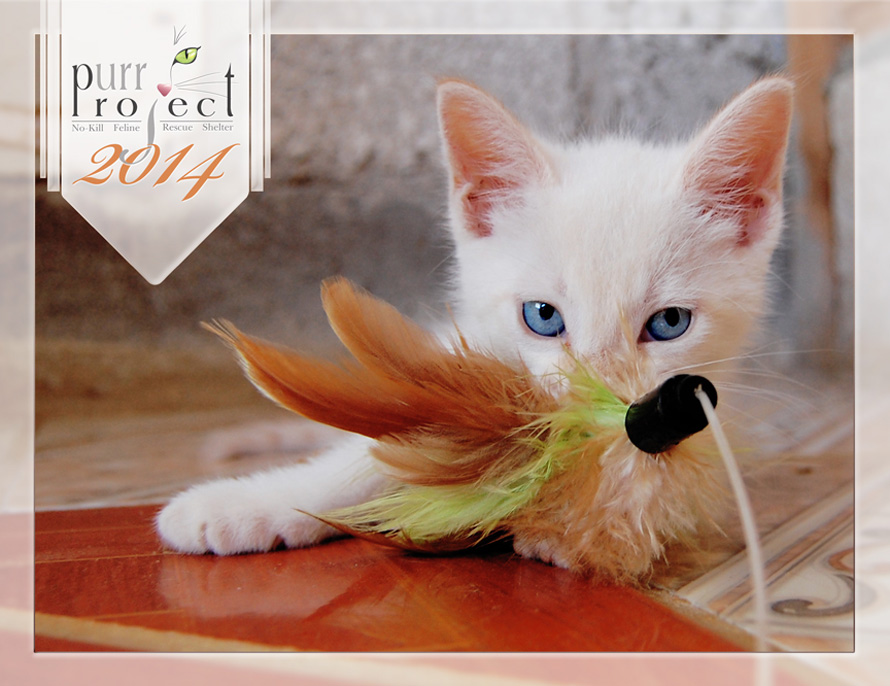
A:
{"points": [[358, 186]]}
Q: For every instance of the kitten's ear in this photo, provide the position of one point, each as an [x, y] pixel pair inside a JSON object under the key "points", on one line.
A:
{"points": [[735, 171], [490, 154]]}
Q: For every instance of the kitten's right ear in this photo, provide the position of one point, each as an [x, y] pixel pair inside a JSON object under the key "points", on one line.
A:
{"points": [[491, 155], [736, 167]]}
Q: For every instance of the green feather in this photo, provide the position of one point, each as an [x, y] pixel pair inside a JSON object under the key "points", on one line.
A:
{"points": [[453, 516]]}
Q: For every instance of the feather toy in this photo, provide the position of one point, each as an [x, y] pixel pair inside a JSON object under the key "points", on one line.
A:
{"points": [[479, 448]]}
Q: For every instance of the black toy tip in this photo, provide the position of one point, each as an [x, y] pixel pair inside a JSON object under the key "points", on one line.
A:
{"points": [[669, 414]]}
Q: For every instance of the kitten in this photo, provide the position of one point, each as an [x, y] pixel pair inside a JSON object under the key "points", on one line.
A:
{"points": [[643, 260]]}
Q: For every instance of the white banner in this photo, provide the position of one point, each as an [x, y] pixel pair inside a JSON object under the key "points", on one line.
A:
{"points": [[155, 122]]}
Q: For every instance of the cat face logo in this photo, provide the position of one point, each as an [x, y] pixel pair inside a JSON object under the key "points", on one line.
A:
{"points": [[184, 56]]}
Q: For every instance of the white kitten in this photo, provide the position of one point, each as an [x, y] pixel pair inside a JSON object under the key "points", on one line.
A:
{"points": [[641, 259]]}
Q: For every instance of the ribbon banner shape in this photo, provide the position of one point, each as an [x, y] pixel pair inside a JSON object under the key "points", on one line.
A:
{"points": [[155, 122]]}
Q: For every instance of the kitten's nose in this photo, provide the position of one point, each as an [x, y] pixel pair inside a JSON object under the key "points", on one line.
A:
{"points": [[672, 412]]}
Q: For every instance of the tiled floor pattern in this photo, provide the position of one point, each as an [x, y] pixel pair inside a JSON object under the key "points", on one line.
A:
{"points": [[810, 579], [101, 571]]}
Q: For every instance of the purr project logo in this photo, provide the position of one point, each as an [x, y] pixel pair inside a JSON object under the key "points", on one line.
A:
{"points": [[155, 122], [86, 77]]}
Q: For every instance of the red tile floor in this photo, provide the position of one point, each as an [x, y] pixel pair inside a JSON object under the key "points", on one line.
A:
{"points": [[106, 459], [103, 582]]}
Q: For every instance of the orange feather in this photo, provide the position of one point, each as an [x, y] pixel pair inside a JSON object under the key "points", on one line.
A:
{"points": [[403, 387]]}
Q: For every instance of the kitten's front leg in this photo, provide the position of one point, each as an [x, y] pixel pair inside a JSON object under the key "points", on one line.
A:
{"points": [[258, 512]]}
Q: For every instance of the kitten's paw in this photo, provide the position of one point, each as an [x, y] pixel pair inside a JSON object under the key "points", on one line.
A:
{"points": [[541, 549], [225, 517]]}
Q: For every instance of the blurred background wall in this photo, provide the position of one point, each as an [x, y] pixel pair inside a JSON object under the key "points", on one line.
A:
{"points": [[358, 187]]}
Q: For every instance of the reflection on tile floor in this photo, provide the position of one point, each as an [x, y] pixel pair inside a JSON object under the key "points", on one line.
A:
{"points": [[102, 579]]}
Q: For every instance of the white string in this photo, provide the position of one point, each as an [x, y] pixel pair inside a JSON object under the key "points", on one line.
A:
{"points": [[749, 528]]}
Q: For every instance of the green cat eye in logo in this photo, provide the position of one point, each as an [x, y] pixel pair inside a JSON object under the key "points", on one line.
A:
{"points": [[186, 55]]}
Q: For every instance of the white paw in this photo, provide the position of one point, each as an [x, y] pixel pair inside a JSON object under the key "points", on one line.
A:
{"points": [[540, 549], [230, 516]]}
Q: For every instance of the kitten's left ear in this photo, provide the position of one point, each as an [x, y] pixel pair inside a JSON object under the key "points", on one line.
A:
{"points": [[735, 170]]}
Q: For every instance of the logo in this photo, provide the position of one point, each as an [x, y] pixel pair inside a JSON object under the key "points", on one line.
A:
{"points": [[155, 122]]}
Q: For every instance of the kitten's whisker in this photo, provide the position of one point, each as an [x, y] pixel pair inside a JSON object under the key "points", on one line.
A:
{"points": [[775, 376], [737, 413], [785, 399], [779, 278], [740, 306], [710, 365], [436, 267], [753, 356], [691, 270]]}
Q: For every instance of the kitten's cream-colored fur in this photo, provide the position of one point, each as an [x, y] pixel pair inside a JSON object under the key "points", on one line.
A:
{"points": [[609, 233]]}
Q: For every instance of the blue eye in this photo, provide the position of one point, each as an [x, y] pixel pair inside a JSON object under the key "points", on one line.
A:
{"points": [[543, 318], [668, 324]]}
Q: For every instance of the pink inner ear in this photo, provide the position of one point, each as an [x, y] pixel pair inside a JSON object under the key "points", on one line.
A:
{"points": [[491, 154], [737, 165], [747, 200], [477, 205]]}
